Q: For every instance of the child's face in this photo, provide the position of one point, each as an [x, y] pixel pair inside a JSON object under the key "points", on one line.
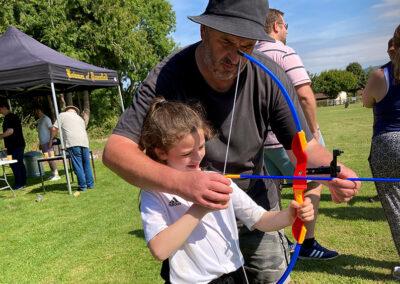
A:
{"points": [[187, 154]]}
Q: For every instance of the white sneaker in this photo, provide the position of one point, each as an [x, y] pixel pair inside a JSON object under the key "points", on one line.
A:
{"points": [[396, 272], [54, 178]]}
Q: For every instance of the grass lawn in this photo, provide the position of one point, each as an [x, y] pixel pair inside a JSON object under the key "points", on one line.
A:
{"points": [[97, 236]]}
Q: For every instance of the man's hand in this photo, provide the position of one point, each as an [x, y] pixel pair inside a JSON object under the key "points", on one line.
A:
{"points": [[343, 190], [207, 189]]}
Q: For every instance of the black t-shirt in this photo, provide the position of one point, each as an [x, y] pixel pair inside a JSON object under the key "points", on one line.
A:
{"points": [[259, 102], [16, 139]]}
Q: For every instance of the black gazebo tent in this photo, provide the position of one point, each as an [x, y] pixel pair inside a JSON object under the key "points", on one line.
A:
{"points": [[29, 68]]}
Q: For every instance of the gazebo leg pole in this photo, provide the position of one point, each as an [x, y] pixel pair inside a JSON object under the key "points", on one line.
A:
{"points": [[120, 98], [53, 92]]}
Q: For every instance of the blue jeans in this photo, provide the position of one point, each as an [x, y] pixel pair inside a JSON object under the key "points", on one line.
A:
{"points": [[80, 157], [18, 168]]}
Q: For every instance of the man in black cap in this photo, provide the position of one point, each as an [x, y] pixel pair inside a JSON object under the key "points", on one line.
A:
{"points": [[207, 72]]}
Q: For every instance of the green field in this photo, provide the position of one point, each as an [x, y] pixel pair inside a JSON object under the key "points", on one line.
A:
{"points": [[97, 237]]}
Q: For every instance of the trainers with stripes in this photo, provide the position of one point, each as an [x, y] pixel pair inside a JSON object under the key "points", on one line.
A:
{"points": [[396, 272], [317, 252]]}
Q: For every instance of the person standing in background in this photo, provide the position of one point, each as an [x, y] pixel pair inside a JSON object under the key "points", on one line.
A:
{"points": [[382, 93], [276, 159], [77, 144], [15, 143], [44, 127], [391, 52]]}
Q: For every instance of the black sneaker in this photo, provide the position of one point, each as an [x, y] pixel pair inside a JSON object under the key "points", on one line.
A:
{"points": [[373, 199], [317, 252], [396, 272]]}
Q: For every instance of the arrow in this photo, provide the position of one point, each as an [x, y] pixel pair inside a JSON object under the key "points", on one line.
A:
{"points": [[316, 178]]}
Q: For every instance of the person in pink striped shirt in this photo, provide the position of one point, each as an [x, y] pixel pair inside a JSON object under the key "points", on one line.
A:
{"points": [[276, 159]]}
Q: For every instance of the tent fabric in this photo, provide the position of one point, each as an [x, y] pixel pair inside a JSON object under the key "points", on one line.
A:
{"points": [[27, 65]]}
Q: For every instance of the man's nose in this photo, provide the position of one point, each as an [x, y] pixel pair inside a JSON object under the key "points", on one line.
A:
{"points": [[234, 55]]}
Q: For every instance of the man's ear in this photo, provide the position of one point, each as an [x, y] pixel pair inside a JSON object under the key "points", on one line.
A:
{"points": [[276, 27], [161, 154], [202, 31]]}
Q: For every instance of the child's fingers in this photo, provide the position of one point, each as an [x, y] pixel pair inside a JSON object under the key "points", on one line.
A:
{"points": [[294, 204], [307, 201]]}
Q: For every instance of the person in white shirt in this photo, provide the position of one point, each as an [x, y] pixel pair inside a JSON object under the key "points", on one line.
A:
{"points": [[201, 244], [76, 141]]}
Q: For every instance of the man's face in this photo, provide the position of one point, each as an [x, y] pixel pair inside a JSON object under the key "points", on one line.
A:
{"points": [[281, 27], [221, 52]]}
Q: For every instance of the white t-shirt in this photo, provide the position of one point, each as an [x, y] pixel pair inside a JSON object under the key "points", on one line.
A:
{"points": [[73, 129], [43, 127], [213, 247]]}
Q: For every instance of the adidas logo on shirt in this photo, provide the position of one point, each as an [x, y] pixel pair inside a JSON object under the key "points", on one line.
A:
{"points": [[174, 202]]}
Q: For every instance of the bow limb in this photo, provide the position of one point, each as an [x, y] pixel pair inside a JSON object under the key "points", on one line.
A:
{"points": [[298, 146]]}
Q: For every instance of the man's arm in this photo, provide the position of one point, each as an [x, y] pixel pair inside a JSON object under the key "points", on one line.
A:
{"points": [[309, 106], [53, 134], [124, 157], [341, 190], [7, 133]]}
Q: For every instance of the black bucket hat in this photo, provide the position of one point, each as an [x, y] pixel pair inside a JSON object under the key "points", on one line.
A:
{"points": [[244, 18]]}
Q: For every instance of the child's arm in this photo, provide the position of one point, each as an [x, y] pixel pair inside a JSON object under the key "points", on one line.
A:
{"points": [[172, 238], [276, 220]]}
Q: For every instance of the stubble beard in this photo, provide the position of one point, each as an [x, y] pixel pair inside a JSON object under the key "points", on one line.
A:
{"points": [[212, 65]]}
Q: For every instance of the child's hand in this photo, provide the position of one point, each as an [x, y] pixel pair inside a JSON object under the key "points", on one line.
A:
{"points": [[304, 211], [199, 210]]}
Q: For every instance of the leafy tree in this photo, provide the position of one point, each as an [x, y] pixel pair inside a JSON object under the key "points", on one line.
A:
{"points": [[129, 36], [359, 72], [332, 82]]}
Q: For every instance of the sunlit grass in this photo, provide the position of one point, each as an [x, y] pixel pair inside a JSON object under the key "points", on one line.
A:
{"points": [[97, 237]]}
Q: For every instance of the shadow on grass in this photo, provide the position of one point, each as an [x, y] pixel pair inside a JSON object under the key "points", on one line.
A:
{"points": [[349, 266], [59, 186], [350, 212], [354, 213], [288, 194], [137, 233]]}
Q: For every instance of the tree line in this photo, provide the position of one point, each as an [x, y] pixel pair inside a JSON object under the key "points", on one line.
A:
{"points": [[350, 80], [130, 36]]}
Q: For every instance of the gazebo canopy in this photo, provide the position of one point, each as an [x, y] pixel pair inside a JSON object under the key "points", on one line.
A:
{"points": [[28, 67]]}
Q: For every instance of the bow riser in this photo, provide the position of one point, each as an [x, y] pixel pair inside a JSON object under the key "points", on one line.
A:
{"points": [[299, 145]]}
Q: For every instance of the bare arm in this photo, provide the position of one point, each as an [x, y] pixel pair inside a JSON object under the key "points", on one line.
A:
{"points": [[309, 106], [172, 238], [7, 133], [53, 134], [375, 89], [124, 157], [277, 220]]}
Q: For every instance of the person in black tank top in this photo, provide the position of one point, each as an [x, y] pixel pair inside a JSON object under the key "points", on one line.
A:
{"points": [[382, 93]]}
